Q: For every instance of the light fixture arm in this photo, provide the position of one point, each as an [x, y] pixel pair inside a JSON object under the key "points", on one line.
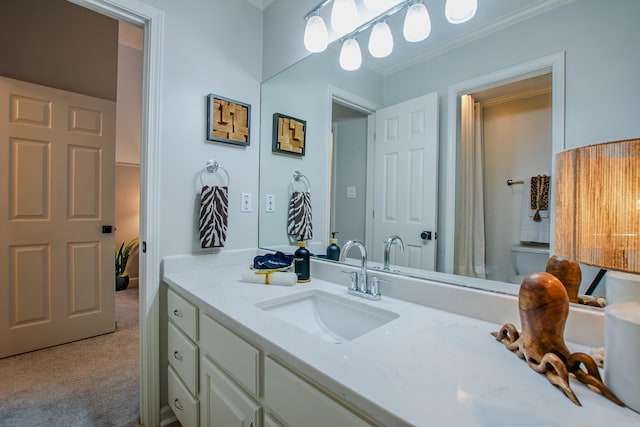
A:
{"points": [[381, 17], [316, 9]]}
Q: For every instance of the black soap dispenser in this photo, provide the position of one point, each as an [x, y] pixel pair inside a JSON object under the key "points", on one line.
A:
{"points": [[301, 262], [333, 250]]}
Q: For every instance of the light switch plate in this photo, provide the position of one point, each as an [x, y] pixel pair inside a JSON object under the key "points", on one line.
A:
{"points": [[270, 203], [351, 192], [246, 202]]}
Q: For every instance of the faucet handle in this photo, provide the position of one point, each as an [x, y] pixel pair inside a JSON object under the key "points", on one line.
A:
{"points": [[354, 279], [374, 285]]}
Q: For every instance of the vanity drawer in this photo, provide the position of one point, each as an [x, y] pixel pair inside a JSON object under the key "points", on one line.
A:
{"points": [[298, 403], [240, 359], [183, 356], [182, 313], [182, 403]]}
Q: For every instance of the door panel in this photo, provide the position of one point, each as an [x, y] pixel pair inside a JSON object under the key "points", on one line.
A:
{"points": [[57, 162], [405, 183]]}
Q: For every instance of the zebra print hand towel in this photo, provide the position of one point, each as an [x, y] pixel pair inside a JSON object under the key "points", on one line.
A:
{"points": [[214, 210], [299, 224]]}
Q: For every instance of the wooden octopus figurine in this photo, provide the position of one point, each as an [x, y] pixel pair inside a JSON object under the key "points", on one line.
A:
{"points": [[544, 305]]}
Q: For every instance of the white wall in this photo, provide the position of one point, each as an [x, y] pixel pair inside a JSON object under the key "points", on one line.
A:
{"points": [[128, 105], [210, 46], [602, 87]]}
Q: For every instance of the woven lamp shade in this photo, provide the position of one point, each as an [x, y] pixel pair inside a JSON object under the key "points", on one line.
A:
{"points": [[597, 205]]}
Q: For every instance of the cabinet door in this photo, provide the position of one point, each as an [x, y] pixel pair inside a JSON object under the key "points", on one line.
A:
{"points": [[298, 403], [222, 403]]}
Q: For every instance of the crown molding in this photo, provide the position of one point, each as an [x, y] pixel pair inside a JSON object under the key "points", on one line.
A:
{"points": [[261, 4]]}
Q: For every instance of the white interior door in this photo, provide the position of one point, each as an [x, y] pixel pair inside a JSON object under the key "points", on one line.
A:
{"points": [[406, 181], [57, 161]]}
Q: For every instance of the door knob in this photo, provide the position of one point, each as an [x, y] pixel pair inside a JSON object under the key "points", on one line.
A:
{"points": [[107, 229], [425, 235]]}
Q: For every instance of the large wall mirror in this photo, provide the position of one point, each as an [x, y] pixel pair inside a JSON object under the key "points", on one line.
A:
{"points": [[536, 87]]}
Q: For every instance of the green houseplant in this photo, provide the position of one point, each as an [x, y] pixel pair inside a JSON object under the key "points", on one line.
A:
{"points": [[121, 258]]}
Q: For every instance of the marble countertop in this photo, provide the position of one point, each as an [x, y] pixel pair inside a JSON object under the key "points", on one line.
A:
{"points": [[426, 367]]}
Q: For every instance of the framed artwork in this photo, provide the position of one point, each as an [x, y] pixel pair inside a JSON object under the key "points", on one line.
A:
{"points": [[228, 120], [288, 135]]}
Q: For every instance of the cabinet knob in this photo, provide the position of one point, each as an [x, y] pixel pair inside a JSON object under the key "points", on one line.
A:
{"points": [[177, 355], [178, 405], [178, 313]]}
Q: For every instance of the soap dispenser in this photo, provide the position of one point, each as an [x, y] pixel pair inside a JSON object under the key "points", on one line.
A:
{"points": [[333, 250], [301, 262]]}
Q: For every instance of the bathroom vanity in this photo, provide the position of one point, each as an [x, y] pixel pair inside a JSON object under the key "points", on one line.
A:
{"points": [[250, 354]]}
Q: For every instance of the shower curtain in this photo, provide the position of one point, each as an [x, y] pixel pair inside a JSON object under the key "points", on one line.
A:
{"points": [[470, 237]]}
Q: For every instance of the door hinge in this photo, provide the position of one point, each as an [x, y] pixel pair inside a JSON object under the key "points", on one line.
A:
{"points": [[144, 247]]}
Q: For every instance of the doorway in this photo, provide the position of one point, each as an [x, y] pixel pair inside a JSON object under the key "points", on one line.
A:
{"points": [[143, 15], [348, 172], [510, 145], [553, 65]]}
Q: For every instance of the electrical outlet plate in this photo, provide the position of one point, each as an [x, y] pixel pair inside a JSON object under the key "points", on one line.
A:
{"points": [[270, 203], [246, 202]]}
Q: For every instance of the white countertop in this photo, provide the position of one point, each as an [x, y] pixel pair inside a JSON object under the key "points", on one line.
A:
{"points": [[427, 367]]}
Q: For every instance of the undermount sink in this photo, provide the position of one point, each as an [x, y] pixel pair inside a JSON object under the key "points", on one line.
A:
{"points": [[331, 317]]}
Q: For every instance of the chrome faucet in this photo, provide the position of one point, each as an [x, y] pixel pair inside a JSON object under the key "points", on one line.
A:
{"points": [[360, 284], [387, 249]]}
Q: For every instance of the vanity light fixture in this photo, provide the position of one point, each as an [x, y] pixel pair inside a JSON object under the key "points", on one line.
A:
{"points": [[316, 36], [378, 5], [350, 55], [344, 21], [344, 16], [417, 23], [460, 11], [380, 40]]}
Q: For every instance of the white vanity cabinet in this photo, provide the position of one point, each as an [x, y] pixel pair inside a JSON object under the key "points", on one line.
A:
{"points": [[298, 403], [218, 378], [182, 354], [229, 378]]}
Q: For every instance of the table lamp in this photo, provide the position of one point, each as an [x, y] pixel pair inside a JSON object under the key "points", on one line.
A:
{"points": [[597, 223]]}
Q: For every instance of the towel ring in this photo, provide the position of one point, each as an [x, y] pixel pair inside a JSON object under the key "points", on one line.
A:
{"points": [[299, 177], [213, 166]]}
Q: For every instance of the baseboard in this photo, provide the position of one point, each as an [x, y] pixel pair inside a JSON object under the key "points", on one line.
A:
{"points": [[166, 416]]}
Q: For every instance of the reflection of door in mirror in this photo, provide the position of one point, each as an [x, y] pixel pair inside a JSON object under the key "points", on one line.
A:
{"points": [[513, 141], [348, 172], [406, 181]]}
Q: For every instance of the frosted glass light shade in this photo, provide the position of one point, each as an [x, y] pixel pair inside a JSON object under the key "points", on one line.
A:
{"points": [[597, 205], [350, 55], [417, 23], [459, 11], [316, 36], [344, 16], [377, 5], [380, 40]]}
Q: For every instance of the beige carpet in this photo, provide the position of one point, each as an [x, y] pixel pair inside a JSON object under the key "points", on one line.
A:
{"points": [[93, 382]]}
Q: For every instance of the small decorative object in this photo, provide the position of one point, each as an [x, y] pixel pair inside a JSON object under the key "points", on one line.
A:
{"points": [[121, 258], [544, 305], [228, 120], [288, 135], [568, 272]]}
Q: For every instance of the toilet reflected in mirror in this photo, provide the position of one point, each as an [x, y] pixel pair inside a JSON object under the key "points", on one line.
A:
{"points": [[527, 258]]}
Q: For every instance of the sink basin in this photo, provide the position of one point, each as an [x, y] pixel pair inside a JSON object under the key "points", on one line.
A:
{"points": [[334, 318]]}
